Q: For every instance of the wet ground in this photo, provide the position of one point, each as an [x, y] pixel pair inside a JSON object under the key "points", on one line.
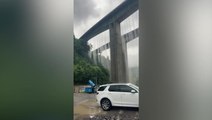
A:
{"points": [[86, 108]]}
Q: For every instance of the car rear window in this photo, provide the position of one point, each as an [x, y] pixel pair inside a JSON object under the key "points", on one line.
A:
{"points": [[102, 88]]}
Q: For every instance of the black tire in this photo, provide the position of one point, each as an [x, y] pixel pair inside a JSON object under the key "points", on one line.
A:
{"points": [[106, 104]]}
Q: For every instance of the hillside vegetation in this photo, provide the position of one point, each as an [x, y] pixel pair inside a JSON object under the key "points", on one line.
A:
{"points": [[84, 68]]}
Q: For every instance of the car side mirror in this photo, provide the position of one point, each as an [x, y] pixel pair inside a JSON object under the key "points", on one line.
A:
{"points": [[133, 91]]}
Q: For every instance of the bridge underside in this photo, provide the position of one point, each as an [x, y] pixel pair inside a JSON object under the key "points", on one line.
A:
{"points": [[117, 45]]}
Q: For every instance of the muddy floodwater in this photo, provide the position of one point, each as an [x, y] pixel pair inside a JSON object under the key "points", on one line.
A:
{"points": [[86, 108]]}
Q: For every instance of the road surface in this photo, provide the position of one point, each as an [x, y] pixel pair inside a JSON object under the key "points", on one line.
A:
{"points": [[86, 108]]}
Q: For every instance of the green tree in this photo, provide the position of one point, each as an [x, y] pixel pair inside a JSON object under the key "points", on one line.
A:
{"points": [[84, 68]]}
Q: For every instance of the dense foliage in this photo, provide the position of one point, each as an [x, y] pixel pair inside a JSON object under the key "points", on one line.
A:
{"points": [[84, 68]]}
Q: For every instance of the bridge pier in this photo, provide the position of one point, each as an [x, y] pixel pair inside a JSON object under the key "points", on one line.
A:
{"points": [[119, 64]]}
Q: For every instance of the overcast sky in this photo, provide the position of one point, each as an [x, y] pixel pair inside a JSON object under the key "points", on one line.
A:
{"points": [[89, 12]]}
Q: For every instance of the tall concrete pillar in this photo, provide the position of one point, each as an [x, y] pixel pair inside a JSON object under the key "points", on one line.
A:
{"points": [[119, 67]]}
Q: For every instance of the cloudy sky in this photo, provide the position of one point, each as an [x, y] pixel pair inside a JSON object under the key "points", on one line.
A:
{"points": [[89, 12]]}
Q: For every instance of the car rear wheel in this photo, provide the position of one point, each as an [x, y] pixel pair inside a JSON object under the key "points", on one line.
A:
{"points": [[106, 104]]}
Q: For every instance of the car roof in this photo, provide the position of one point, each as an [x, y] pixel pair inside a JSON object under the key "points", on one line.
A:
{"points": [[116, 84]]}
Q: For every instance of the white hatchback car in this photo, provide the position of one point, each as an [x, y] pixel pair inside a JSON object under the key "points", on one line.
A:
{"points": [[118, 94]]}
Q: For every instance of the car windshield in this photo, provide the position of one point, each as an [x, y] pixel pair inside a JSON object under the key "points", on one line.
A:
{"points": [[134, 86]]}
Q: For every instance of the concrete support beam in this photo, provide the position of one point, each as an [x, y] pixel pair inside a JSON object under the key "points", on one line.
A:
{"points": [[119, 66], [126, 37]]}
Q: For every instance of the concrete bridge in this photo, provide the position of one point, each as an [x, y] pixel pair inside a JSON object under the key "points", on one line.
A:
{"points": [[118, 50]]}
